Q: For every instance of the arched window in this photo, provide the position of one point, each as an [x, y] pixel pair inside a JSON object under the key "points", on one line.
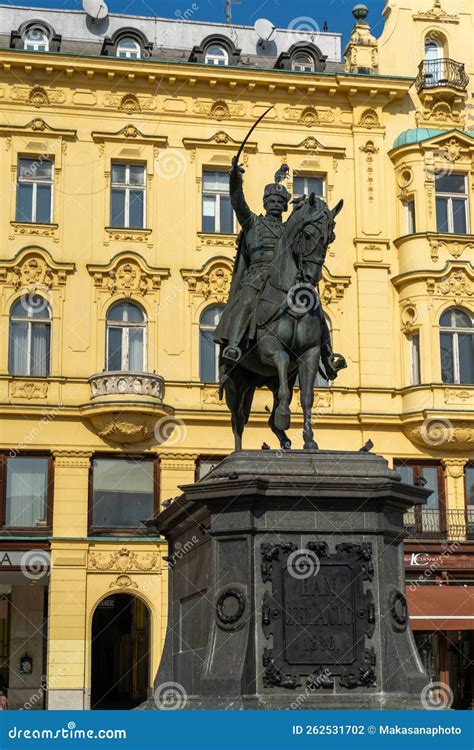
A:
{"points": [[457, 346], [433, 61], [303, 62], [208, 349], [36, 39], [30, 337], [128, 47], [216, 55], [126, 327]]}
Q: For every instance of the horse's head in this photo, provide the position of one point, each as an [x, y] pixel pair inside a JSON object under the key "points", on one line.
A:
{"points": [[313, 225]]}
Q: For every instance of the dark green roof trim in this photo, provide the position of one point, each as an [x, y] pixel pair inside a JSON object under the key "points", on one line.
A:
{"points": [[417, 135]]}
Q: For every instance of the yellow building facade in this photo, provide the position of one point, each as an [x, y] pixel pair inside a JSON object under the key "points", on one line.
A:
{"points": [[116, 256]]}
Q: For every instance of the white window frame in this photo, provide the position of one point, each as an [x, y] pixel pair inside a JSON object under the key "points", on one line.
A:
{"points": [[128, 55], [306, 177], [415, 358], [301, 67], [35, 182], [449, 197], [125, 327], [127, 187], [217, 204], [455, 332], [31, 45], [409, 211], [31, 322], [213, 59], [210, 327]]}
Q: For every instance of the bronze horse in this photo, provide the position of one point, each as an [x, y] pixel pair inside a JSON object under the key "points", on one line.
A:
{"points": [[287, 326]]}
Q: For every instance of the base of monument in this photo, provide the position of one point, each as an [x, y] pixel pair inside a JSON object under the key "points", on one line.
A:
{"points": [[286, 587], [300, 702]]}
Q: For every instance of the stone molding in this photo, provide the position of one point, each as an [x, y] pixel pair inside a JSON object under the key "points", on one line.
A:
{"points": [[72, 459], [137, 383]]}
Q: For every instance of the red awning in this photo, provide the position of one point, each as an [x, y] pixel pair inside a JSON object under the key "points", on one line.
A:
{"points": [[441, 607]]}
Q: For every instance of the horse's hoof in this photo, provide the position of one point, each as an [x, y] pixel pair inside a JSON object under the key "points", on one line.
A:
{"points": [[285, 444], [311, 445], [282, 418]]}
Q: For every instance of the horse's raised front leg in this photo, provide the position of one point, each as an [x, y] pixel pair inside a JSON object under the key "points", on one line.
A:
{"points": [[308, 365]]}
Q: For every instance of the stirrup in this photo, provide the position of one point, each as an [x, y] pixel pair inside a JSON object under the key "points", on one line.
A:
{"points": [[232, 353]]}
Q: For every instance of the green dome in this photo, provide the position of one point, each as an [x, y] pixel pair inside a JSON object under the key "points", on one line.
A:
{"points": [[416, 135]]}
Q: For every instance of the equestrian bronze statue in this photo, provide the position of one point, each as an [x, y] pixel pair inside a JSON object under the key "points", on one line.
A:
{"points": [[273, 328]]}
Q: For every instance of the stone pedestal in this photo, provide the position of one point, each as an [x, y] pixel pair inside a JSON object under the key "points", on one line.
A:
{"points": [[287, 586]]}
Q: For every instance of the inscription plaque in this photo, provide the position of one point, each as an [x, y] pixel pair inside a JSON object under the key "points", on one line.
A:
{"points": [[318, 615]]}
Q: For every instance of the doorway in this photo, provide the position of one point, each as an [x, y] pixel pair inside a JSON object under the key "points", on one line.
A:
{"points": [[120, 653]]}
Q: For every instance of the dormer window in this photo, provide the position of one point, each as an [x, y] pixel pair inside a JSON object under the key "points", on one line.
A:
{"points": [[36, 39], [129, 48], [216, 55], [302, 62]]}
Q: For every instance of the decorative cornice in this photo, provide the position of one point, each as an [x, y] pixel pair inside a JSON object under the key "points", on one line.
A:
{"points": [[309, 145], [129, 133], [72, 459], [34, 268], [454, 467], [212, 281], [128, 273], [220, 109], [430, 276], [36, 126], [220, 140], [436, 13]]}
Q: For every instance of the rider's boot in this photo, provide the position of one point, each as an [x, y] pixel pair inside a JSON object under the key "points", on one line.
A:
{"points": [[232, 352]]}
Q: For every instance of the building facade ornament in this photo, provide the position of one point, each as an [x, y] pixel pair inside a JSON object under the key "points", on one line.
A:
{"points": [[127, 273], [125, 560], [33, 268], [454, 467], [71, 459], [123, 582], [436, 13], [212, 281], [30, 389]]}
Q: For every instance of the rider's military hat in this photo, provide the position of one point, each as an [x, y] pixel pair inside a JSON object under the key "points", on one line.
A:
{"points": [[276, 188]]}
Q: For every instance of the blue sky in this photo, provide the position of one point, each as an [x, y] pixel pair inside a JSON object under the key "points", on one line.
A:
{"points": [[337, 13]]}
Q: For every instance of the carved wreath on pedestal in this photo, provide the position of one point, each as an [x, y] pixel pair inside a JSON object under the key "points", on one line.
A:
{"points": [[319, 616]]}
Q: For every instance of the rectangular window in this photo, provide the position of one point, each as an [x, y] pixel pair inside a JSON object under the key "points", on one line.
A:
{"points": [[307, 185], [410, 216], [414, 344], [127, 198], [26, 492], [424, 520], [452, 203], [35, 191], [123, 492], [217, 213]]}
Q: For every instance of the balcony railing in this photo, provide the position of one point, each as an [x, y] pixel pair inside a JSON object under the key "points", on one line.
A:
{"points": [[444, 73], [448, 525], [127, 383]]}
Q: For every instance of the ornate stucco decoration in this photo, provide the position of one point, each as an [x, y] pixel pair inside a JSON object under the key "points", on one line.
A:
{"points": [[130, 103], [123, 422], [129, 274], [436, 13], [309, 116], [210, 395], [130, 133], [220, 141], [369, 119], [332, 288], [38, 96], [309, 145], [443, 114], [136, 383], [37, 126], [444, 433], [30, 389], [455, 247], [219, 110], [123, 582], [33, 269], [125, 561], [212, 281], [456, 284], [409, 316], [458, 396]]}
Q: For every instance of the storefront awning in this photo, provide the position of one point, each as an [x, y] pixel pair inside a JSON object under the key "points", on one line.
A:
{"points": [[441, 607]]}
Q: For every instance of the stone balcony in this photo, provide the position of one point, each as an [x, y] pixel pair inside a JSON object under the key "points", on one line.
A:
{"points": [[125, 406]]}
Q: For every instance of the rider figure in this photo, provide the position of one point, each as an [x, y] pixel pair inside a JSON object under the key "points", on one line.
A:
{"points": [[256, 246]]}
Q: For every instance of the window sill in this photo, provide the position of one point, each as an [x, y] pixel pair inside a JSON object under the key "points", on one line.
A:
{"points": [[33, 228], [123, 234], [10, 532], [206, 239]]}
